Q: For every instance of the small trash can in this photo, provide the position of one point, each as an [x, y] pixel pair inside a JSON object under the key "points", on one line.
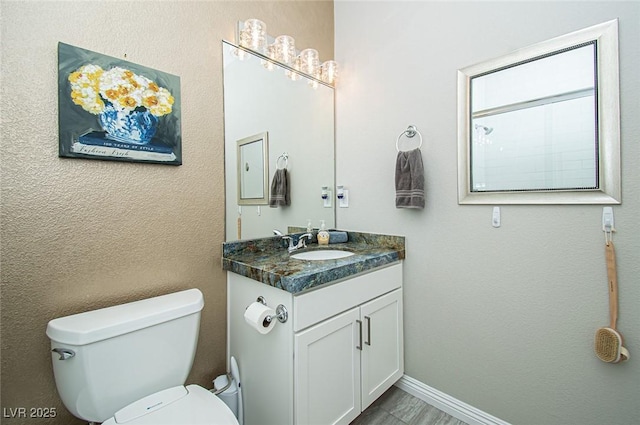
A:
{"points": [[229, 389]]}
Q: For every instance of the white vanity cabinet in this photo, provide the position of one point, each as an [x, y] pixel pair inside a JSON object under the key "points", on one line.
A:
{"points": [[344, 363], [339, 350]]}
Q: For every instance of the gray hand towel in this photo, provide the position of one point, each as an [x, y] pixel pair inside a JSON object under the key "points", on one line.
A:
{"points": [[409, 179], [279, 196]]}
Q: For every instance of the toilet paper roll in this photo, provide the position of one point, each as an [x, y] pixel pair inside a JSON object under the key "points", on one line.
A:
{"points": [[256, 316]]}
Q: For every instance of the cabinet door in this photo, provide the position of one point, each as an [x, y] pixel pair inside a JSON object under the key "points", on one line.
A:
{"points": [[327, 371], [382, 352]]}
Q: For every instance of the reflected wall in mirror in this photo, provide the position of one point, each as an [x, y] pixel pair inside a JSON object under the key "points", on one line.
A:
{"points": [[299, 119], [541, 125], [253, 169]]}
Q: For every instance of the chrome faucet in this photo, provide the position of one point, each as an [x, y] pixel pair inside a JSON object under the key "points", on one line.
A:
{"points": [[301, 241]]}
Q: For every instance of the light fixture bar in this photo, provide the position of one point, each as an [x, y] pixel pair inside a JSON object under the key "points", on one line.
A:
{"points": [[269, 53]]}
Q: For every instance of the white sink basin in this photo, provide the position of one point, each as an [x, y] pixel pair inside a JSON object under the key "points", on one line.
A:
{"points": [[322, 254]]}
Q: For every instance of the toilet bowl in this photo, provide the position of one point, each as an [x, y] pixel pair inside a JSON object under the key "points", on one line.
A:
{"points": [[192, 405], [127, 364]]}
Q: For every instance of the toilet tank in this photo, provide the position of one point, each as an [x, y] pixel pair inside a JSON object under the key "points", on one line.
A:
{"points": [[124, 352]]}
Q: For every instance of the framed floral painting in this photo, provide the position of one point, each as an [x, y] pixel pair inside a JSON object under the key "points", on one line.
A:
{"points": [[112, 109]]}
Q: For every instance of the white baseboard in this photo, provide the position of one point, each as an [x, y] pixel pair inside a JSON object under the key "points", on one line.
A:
{"points": [[446, 403]]}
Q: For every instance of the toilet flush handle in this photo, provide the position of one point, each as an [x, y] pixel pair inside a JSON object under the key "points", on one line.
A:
{"points": [[65, 353]]}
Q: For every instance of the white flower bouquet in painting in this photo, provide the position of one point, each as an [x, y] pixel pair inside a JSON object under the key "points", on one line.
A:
{"points": [[128, 105]]}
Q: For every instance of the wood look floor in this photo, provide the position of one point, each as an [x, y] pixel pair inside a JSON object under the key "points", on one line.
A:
{"points": [[396, 407]]}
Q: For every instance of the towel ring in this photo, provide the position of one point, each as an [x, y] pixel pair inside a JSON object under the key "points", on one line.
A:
{"points": [[410, 132], [285, 158]]}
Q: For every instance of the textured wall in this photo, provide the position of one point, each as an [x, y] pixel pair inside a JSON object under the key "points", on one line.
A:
{"points": [[502, 319], [82, 234]]}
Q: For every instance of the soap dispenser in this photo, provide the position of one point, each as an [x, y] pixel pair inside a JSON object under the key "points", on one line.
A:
{"points": [[323, 235]]}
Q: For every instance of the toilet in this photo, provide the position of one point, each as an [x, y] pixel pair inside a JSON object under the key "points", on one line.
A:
{"points": [[127, 364]]}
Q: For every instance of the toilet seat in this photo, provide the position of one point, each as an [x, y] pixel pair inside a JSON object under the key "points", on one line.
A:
{"points": [[191, 405]]}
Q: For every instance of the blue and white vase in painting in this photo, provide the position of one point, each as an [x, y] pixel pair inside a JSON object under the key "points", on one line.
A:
{"points": [[136, 126]]}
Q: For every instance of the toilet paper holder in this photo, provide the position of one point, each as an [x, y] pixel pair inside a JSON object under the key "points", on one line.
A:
{"points": [[282, 314]]}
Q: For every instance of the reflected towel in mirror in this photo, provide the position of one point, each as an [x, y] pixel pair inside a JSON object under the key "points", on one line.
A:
{"points": [[280, 194], [409, 179]]}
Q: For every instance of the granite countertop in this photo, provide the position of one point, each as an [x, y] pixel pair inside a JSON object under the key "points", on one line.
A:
{"points": [[267, 260]]}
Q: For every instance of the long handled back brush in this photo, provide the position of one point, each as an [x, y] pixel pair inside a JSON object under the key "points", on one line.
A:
{"points": [[608, 343]]}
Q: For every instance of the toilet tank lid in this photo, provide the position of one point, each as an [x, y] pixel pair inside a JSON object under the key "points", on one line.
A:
{"points": [[92, 326]]}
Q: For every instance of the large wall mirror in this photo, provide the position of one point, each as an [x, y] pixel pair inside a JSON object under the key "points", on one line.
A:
{"points": [[296, 117], [541, 125]]}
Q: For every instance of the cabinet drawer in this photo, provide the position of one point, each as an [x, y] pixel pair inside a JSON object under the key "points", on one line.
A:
{"points": [[325, 302]]}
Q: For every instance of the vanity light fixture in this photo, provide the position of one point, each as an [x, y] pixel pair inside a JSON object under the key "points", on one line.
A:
{"points": [[285, 49], [329, 72], [252, 35], [309, 62], [269, 52], [293, 73]]}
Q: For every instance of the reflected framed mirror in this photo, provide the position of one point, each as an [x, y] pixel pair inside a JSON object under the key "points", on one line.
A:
{"points": [[298, 116], [253, 169], [541, 125]]}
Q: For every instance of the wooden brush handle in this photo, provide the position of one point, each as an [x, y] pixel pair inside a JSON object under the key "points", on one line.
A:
{"points": [[613, 283]]}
